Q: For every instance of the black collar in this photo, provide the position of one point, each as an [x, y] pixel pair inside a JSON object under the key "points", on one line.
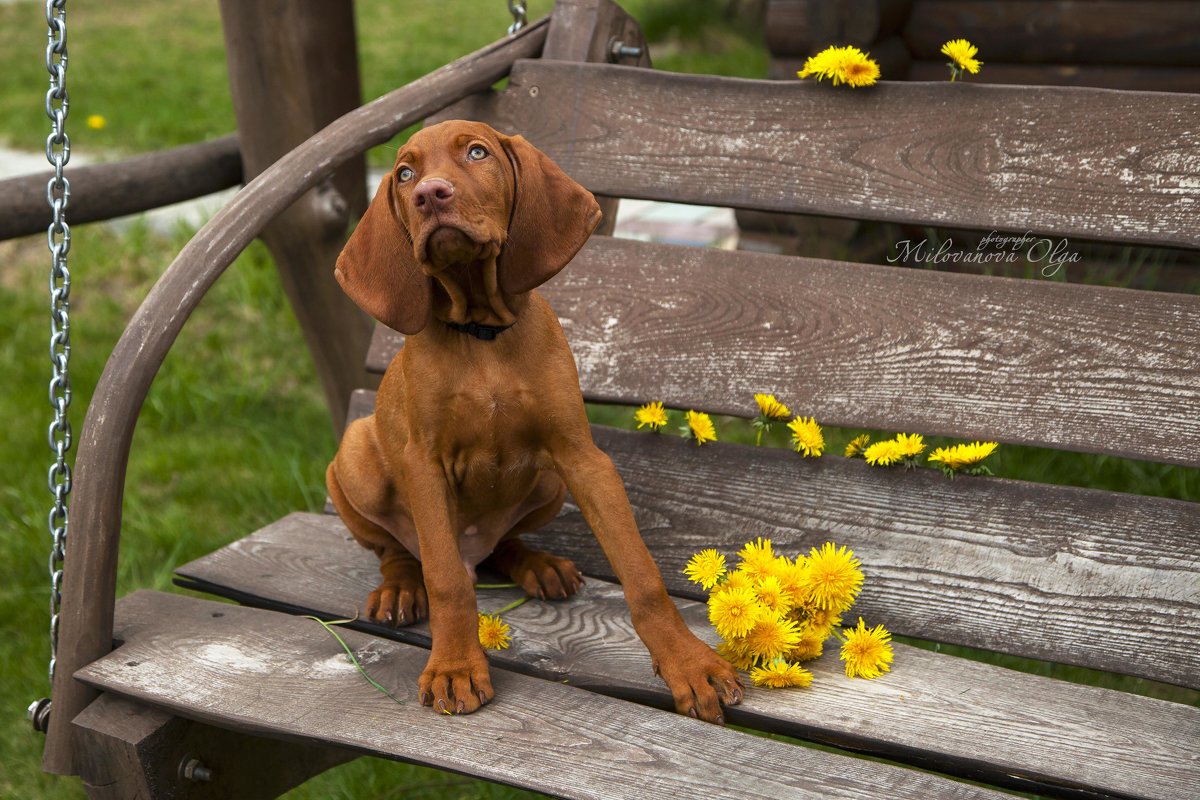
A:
{"points": [[484, 333]]}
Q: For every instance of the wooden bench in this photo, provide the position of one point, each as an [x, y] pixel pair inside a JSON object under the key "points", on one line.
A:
{"points": [[1103, 580]]}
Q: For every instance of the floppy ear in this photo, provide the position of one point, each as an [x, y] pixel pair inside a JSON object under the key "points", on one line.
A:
{"points": [[552, 217], [378, 270]]}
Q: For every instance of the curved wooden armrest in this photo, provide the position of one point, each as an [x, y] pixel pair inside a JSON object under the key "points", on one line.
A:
{"points": [[89, 588]]}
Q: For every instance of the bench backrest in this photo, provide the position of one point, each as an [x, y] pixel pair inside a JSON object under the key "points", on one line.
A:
{"points": [[1099, 579]]}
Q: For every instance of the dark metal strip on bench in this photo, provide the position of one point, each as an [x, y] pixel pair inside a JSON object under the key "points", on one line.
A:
{"points": [[279, 676], [1087, 368], [936, 711], [1072, 162], [1087, 577]]}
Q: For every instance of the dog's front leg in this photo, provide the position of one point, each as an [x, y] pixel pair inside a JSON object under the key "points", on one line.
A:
{"points": [[699, 679], [456, 678]]}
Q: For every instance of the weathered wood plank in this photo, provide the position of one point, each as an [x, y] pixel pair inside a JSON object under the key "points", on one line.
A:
{"points": [[962, 155], [138, 183], [933, 710], [1105, 76], [1100, 31], [1086, 368], [270, 674]]}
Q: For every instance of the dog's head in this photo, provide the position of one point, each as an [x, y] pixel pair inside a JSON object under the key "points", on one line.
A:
{"points": [[461, 195]]}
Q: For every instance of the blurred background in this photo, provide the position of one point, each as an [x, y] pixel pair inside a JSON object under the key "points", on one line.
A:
{"points": [[236, 431]]}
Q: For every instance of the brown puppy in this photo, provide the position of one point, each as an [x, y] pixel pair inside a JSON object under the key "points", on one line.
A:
{"points": [[479, 432]]}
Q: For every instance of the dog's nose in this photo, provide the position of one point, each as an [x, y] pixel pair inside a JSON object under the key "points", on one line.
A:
{"points": [[433, 194]]}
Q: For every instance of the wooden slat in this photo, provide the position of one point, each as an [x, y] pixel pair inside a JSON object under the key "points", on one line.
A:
{"points": [[269, 674], [937, 711], [138, 183], [970, 156], [1086, 368], [1104, 76], [1079, 576], [1098, 31]]}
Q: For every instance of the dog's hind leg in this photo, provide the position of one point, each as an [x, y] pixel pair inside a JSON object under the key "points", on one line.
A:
{"points": [[539, 573]]}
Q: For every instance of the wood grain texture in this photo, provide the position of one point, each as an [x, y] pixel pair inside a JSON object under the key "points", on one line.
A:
{"points": [[1098, 579], [89, 581], [961, 155], [107, 191], [1097, 31], [1103, 76], [1086, 368], [936, 711], [264, 673]]}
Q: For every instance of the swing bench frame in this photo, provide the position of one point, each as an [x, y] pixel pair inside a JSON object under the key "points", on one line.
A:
{"points": [[1097, 579]]}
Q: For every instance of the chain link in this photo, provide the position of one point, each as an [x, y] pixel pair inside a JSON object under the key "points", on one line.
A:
{"points": [[517, 9], [58, 239]]}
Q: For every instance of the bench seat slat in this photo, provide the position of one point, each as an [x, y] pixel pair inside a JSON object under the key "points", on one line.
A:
{"points": [[1017, 158], [1079, 576], [1087, 368], [936, 711], [271, 674]]}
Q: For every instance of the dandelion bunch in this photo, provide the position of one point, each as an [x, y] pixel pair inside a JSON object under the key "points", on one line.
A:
{"points": [[770, 410], [965, 458], [773, 612], [847, 65], [962, 58], [903, 449]]}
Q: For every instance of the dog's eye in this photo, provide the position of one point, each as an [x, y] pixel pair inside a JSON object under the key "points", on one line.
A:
{"points": [[477, 153], [405, 174]]}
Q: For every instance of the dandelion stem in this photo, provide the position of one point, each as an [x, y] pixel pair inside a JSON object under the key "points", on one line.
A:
{"points": [[353, 659]]}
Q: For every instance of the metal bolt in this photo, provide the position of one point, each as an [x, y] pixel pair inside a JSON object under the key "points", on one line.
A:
{"points": [[39, 714], [192, 769], [619, 50]]}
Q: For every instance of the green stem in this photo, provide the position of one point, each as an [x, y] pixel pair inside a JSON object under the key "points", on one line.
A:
{"points": [[353, 659], [496, 586], [511, 606]]}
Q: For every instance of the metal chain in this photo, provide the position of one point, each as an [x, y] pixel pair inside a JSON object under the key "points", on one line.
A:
{"points": [[58, 237], [517, 9]]}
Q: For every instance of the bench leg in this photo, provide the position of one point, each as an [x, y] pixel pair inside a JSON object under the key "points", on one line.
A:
{"points": [[130, 751]]}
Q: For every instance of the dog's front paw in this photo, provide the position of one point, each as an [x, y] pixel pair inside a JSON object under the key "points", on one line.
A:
{"points": [[700, 681], [398, 602], [545, 576], [455, 685]]}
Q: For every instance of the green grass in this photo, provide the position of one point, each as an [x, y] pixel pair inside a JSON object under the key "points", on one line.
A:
{"points": [[234, 433]]}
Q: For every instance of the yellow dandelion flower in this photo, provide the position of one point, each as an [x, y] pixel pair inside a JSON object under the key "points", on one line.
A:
{"points": [[962, 57], [780, 674], [772, 595], [96, 121], [791, 577], [963, 455], [810, 645], [652, 415], [911, 444], [493, 632], [738, 580], [705, 568], [734, 611], [882, 454], [700, 427], [833, 577], [771, 408], [847, 65], [823, 619], [857, 445], [806, 436], [860, 70], [772, 636], [735, 652], [757, 559], [866, 651]]}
